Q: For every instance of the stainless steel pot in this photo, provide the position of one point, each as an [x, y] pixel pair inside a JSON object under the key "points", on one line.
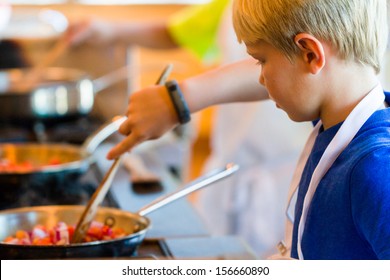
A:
{"points": [[60, 94], [71, 159], [135, 224]]}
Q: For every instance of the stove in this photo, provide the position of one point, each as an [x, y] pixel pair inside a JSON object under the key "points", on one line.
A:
{"points": [[65, 189], [177, 231], [71, 131], [74, 188], [12, 134]]}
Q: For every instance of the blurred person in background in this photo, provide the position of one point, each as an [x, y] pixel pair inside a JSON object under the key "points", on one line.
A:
{"points": [[250, 204], [11, 53]]}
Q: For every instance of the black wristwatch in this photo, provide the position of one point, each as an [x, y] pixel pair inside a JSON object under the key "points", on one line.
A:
{"points": [[181, 107]]}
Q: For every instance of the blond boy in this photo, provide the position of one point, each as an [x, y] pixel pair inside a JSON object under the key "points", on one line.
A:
{"points": [[318, 60]]}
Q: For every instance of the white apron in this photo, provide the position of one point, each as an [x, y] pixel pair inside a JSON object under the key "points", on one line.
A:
{"points": [[356, 119]]}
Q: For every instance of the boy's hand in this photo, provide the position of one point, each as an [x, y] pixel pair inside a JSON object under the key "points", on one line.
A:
{"points": [[150, 114]]}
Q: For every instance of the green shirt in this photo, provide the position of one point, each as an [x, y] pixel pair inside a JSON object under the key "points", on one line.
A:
{"points": [[196, 27]]}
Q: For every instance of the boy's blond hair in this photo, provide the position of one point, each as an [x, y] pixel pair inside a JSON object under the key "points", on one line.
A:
{"points": [[356, 28]]}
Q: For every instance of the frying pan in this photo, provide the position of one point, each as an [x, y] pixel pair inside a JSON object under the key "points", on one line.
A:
{"points": [[60, 94], [69, 159], [135, 224]]}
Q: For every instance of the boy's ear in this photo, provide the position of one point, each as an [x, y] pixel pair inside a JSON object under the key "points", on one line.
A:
{"points": [[312, 51]]}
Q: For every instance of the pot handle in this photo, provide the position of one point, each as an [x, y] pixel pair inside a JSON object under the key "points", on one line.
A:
{"points": [[207, 179], [106, 130]]}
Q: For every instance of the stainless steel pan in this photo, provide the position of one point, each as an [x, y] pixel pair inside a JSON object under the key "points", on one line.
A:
{"points": [[52, 159], [60, 94], [135, 224]]}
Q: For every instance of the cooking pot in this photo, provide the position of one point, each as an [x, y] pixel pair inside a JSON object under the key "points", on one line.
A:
{"points": [[60, 93], [48, 160], [135, 224]]}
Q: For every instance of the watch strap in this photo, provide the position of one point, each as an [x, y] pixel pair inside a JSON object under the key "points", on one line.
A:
{"points": [[181, 107]]}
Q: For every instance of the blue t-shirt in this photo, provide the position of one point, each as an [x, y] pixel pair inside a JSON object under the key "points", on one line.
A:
{"points": [[349, 216]]}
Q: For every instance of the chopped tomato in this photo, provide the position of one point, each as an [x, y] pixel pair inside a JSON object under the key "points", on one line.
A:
{"points": [[7, 165], [62, 233], [54, 161], [42, 241], [20, 234], [71, 231]]}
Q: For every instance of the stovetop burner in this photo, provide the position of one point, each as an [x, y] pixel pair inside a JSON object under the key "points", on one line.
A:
{"points": [[73, 132], [38, 195], [12, 134], [69, 189]]}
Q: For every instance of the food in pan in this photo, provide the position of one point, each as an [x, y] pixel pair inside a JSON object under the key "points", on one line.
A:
{"points": [[62, 233], [7, 165]]}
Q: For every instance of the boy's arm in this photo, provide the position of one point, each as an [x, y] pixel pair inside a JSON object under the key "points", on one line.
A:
{"points": [[151, 113], [235, 82], [194, 28], [153, 34]]}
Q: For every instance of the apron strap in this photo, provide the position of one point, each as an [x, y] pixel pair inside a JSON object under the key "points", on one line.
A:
{"points": [[356, 119]]}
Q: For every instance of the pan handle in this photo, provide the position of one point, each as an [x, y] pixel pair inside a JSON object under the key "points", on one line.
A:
{"points": [[95, 139], [207, 179]]}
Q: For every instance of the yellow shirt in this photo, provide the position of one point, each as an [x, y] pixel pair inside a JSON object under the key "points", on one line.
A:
{"points": [[195, 28]]}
